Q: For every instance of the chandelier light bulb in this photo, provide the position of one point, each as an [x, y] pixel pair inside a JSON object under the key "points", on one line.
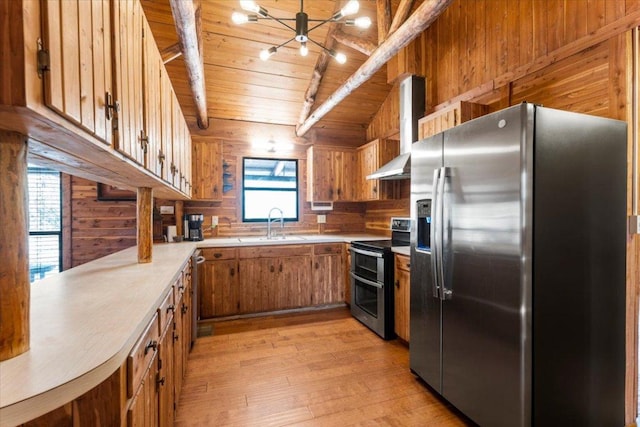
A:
{"points": [[267, 53], [350, 8], [249, 5], [304, 50], [338, 56], [239, 18], [362, 22]]}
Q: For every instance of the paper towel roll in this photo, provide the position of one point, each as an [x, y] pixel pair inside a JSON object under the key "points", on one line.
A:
{"points": [[171, 233]]}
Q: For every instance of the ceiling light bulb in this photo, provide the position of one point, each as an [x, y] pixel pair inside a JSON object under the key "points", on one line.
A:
{"points": [[304, 50], [362, 22], [249, 5], [338, 56], [239, 18], [350, 8], [266, 53]]}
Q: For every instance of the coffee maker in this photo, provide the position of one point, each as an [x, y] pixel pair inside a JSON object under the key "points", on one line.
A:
{"points": [[194, 221]]}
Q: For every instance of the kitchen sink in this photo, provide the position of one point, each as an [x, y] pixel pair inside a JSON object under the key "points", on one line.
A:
{"points": [[255, 239]]}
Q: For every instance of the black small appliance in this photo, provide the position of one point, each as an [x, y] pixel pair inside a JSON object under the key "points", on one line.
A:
{"points": [[195, 226]]}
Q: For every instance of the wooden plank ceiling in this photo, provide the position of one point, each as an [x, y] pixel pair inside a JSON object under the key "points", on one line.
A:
{"points": [[242, 87]]}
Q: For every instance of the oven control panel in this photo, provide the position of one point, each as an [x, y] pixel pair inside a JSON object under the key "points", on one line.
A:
{"points": [[401, 224]]}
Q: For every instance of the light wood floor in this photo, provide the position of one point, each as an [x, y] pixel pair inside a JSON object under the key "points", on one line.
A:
{"points": [[320, 368]]}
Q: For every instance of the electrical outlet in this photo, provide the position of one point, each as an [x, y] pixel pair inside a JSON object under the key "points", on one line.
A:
{"points": [[322, 219], [214, 220]]}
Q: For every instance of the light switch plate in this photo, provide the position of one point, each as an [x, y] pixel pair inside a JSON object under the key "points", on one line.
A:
{"points": [[322, 219], [166, 210], [214, 220]]}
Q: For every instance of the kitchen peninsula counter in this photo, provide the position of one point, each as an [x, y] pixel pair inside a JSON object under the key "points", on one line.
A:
{"points": [[85, 321]]}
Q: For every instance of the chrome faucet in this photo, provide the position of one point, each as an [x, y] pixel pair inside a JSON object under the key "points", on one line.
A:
{"points": [[281, 219]]}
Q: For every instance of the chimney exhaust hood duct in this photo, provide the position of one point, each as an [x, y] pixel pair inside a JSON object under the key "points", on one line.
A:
{"points": [[412, 95]]}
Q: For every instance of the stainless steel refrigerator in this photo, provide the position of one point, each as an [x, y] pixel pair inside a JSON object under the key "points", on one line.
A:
{"points": [[518, 267]]}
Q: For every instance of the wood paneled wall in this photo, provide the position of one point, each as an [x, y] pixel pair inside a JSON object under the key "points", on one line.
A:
{"points": [[237, 140], [98, 228]]}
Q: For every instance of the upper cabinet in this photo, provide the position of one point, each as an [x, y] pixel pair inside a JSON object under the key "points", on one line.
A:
{"points": [[128, 60], [371, 157], [449, 117], [331, 174], [207, 169], [89, 88], [76, 44]]}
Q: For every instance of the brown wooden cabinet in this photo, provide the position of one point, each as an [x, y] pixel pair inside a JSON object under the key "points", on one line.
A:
{"points": [[218, 289], [328, 274], [274, 277], [207, 169], [166, 375], [330, 174], [347, 273], [78, 83], [446, 118], [370, 157], [402, 280]]}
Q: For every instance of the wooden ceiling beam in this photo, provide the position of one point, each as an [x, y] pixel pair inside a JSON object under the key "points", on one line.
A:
{"points": [[424, 16], [170, 53], [186, 15], [361, 45], [383, 15], [403, 12]]}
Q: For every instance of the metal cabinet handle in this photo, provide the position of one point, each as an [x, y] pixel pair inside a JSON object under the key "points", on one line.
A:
{"points": [[110, 106], [171, 308], [153, 344]]}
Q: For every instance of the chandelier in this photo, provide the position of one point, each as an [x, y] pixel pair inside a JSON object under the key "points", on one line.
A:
{"points": [[301, 29]]}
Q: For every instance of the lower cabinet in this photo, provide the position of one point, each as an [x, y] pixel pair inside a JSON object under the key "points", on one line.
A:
{"points": [[328, 274], [347, 273], [402, 280], [244, 280], [145, 390]]}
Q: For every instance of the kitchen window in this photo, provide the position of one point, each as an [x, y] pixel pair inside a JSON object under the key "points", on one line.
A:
{"points": [[267, 184], [45, 222]]}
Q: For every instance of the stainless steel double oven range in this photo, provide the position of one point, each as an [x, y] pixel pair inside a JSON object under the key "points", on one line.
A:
{"points": [[372, 279]]}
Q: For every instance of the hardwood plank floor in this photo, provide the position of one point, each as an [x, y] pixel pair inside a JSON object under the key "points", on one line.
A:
{"points": [[319, 368]]}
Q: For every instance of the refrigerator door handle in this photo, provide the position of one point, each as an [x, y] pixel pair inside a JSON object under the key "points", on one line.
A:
{"points": [[440, 231], [435, 220]]}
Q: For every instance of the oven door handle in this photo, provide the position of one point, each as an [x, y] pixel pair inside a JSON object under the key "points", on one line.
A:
{"points": [[366, 281], [368, 253]]}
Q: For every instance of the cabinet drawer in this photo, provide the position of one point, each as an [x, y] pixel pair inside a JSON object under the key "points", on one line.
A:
{"points": [[268, 251], [328, 248], [142, 355], [166, 310], [403, 262], [213, 254]]}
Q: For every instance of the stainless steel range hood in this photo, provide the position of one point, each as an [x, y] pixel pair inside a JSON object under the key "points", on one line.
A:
{"points": [[412, 95]]}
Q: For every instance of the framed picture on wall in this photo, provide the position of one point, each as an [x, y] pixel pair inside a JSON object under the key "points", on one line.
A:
{"points": [[109, 192]]}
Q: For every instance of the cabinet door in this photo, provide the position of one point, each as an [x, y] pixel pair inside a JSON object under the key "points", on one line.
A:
{"points": [[207, 169], [165, 154], [166, 396], [401, 298], [77, 35], [127, 19], [368, 164], [319, 175], [178, 352], [347, 277], [254, 280], [219, 290], [153, 67], [293, 282], [327, 280]]}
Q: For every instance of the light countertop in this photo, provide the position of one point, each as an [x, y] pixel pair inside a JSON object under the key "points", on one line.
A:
{"points": [[84, 322]]}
